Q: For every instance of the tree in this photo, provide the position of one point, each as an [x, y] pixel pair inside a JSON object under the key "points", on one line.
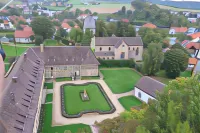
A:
{"points": [[14, 11], [129, 12], [43, 26], [141, 129], [76, 34], [38, 40], [178, 46], [100, 28], [124, 10], [131, 31], [32, 37], [175, 61], [153, 59], [87, 37], [111, 28], [95, 14], [71, 23], [87, 11], [78, 12]]}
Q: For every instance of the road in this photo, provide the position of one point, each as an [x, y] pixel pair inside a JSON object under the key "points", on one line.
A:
{"points": [[6, 5]]}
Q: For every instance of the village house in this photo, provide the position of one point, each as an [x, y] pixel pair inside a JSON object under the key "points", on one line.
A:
{"points": [[118, 48], [66, 26], [176, 30], [192, 63], [89, 23], [194, 48], [5, 23], [16, 19], [149, 25], [195, 36], [147, 88], [23, 36]]}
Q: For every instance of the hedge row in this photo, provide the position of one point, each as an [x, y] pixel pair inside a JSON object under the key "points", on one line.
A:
{"points": [[49, 85], [117, 63], [64, 113]]}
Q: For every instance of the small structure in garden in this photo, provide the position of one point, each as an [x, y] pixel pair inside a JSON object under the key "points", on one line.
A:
{"points": [[84, 95]]}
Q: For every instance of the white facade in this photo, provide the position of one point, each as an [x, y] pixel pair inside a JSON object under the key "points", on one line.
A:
{"points": [[142, 95], [23, 40], [172, 31]]}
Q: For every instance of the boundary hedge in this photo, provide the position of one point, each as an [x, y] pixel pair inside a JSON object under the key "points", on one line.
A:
{"points": [[117, 63], [64, 113]]}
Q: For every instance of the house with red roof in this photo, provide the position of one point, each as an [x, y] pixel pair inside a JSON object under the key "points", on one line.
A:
{"points": [[194, 48], [23, 36], [125, 20], [191, 63], [195, 35], [66, 26], [175, 30], [16, 19], [5, 23], [149, 25]]}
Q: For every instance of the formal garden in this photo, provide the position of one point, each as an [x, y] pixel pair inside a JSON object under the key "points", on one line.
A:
{"points": [[88, 98], [129, 101], [120, 80]]}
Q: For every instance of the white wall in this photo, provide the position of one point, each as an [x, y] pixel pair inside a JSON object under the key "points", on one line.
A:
{"points": [[144, 96], [23, 40], [172, 31]]}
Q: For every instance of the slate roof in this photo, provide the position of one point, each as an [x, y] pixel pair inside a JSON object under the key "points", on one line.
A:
{"points": [[117, 41], [71, 55], [104, 53], [89, 23], [150, 86]]}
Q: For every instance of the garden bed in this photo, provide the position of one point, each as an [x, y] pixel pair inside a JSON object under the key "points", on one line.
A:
{"points": [[99, 102]]}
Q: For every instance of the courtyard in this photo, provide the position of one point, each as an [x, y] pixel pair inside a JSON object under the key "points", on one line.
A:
{"points": [[96, 99]]}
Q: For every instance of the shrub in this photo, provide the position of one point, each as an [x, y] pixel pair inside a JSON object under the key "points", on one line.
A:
{"points": [[117, 63]]}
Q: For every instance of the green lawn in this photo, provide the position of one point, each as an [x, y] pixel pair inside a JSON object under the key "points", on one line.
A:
{"points": [[63, 79], [56, 8], [129, 101], [90, 78], [7, 66], [28, 45], [49, 85], [120, 80], [49, 98], [186, 74], [10, 50], [50, 42], [47, 121], [74, 103]]}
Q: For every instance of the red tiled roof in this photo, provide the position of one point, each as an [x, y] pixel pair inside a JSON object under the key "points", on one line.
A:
{"points": [[192, 61], [15, 19], [195, 35], [193, 44], [149, 25], [180, 29], [66, 25], [5, 22], [125, 20], [25, 33]]}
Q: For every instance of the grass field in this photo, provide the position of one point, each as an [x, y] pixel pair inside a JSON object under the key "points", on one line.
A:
{"points": [[28, 45], [72, 97], [10, 50], [47, 121], [49, 98], [176, 9], [129, 101], [55, 8], [120, 80]]}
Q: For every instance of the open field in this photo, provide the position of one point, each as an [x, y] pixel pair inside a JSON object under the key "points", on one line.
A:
{"points": [[47, 122], [120, 80], [129, 101], [72, 97], [176, 9]]}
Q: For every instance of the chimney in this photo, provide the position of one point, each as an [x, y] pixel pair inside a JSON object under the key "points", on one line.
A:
{"points": [[14, 79], [41, 48]]}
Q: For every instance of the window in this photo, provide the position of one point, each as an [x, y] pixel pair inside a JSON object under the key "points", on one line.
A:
{"points": [[137, 51], [139, 94], [103, 58], [129, 48], [133, 48], [107, 58], [122, 55], [122, 45], [100, 49], [113, 58], [109, 48]]}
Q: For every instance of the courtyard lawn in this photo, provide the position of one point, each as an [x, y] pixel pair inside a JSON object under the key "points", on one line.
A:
{"points": [[74, 103], [47, 121], [49, 98], [49, 85], [63, 79], [129, 101], [10, 50], [120, 80], [161, 76]]}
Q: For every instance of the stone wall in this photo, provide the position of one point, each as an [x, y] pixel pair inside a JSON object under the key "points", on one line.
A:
{"points": [[89, 70]]}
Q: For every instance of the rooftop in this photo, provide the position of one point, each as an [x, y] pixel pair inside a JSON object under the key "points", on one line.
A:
{"points": [[149, 25], [179, 29]]}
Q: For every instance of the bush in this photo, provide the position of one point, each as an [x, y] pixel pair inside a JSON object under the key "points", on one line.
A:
{"points": [[117, 63], [139, 23], [38, 40]]}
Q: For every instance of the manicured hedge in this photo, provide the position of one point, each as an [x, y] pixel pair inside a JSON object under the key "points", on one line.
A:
{"points": [[63, 79], [65, 114], [49, 85], [117, 63]]}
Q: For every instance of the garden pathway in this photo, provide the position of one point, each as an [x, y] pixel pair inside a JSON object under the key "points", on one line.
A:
{"points": [[88, 119], [125, 94]]}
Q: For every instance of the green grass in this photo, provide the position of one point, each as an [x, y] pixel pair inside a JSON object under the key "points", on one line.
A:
{"points": [[120, 80], [186, 74], [7, 66], [10, 50], [47, 121], [56, 8], [49, 85], [63, 79], [129, 101], [74, 103], [176, 9], [103, 16], [49, 98], [90, 78], [28, 45], [50, 42]]}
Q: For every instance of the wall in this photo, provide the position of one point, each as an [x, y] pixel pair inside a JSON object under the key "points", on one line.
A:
{"points": [[23, 40], [121, 49], [89, 70], [37, 116], [106, 57], [144, 96], [104, 48]]}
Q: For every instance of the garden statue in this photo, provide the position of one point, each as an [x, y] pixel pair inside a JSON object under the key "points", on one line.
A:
{"points": [[85, 93]]}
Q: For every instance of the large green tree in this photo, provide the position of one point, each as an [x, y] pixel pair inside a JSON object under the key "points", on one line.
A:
{"points": [[86, 37], [111, 28], [100, 29], [153, 58], [76, 35], [131, 31], [175, 61], [43, 26]]}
